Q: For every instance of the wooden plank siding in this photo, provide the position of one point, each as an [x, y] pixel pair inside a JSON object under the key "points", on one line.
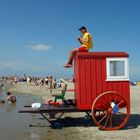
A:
{"points": [[90, 78]]}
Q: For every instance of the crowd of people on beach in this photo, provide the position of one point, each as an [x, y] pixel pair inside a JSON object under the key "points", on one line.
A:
{"points": [[29, 79], [34, 81], [38, 81]]}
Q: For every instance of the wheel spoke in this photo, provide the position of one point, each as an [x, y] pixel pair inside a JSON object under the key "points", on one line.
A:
{"points": [[115, 119], [121, 119], [119, 113], [103, 118], [106, 121], [111, 120], [116, 99], [120, 102]]}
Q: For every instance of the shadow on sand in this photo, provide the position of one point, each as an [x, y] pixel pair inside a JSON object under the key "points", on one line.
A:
{"points": [[133, 122]]}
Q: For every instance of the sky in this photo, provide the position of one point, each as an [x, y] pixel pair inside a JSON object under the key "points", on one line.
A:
{"points": [[37, 35]]}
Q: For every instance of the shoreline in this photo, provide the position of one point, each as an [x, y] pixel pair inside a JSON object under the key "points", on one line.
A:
{"points": [[43, 92]]}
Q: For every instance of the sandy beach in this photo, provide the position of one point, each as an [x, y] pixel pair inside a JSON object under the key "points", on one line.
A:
{"points": [[16, 126]]}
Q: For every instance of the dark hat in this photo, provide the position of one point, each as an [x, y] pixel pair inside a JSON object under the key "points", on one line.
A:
{"points": [[83, 27]]}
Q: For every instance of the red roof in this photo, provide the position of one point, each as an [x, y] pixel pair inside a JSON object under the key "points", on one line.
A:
{"points": [[102, 54]]}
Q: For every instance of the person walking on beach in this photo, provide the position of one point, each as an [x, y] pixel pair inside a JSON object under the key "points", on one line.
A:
{"points": [[86, 44]]}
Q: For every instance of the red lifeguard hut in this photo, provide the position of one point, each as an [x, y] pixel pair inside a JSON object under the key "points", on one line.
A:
{"points": [[101, 82], [102, 90]]}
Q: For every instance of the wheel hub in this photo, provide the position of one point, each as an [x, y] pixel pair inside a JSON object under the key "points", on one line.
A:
{"points": [[115, 108], [109, 110]]}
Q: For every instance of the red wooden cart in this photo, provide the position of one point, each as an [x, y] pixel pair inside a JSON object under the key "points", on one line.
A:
{"points": [[102, 90]]}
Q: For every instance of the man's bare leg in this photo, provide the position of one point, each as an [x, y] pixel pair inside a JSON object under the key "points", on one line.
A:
{"points": [[71, 57]]}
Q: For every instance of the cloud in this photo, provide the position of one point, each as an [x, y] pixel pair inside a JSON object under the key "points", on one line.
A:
{"points": [[39, 47]]}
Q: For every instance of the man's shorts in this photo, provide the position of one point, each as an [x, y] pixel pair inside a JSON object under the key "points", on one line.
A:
{"points": [[83, 49]]}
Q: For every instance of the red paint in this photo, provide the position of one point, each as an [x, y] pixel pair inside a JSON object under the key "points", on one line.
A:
{"points": [[90, 78]]}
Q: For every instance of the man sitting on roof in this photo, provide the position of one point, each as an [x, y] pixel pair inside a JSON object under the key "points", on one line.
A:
{"points": [[86, 44]]}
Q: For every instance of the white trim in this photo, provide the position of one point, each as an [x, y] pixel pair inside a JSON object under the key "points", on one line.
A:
{"points": [[108, 80], [117, 78]]}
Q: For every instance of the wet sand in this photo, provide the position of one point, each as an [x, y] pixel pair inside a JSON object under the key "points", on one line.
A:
{"points": [[16, 126]]}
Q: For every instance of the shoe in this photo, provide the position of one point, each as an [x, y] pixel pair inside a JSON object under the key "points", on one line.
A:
{"points": [[67, 66]]}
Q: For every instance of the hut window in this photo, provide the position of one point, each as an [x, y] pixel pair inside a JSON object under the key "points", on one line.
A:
{"points": [[117, 69]]}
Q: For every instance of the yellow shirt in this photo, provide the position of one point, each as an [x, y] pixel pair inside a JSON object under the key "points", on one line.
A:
{"points": [[87, 36]]}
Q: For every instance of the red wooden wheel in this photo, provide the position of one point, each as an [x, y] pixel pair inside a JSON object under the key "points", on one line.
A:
{"points": [[110, 111]]}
